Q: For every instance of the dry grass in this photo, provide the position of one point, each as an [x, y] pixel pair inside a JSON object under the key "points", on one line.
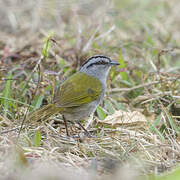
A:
{"points": [[143, 36]]}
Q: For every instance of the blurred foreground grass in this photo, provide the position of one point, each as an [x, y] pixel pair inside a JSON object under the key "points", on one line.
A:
{"points": [[137, 125]]}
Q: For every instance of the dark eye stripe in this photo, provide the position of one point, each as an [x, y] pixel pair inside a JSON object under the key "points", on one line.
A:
{"points": [[97, 63]]}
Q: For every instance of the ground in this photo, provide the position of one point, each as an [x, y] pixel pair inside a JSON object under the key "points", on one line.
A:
{"points": [[136, 128]]}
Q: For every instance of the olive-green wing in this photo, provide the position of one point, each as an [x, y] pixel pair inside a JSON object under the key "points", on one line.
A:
{"points": [[77, 90]]}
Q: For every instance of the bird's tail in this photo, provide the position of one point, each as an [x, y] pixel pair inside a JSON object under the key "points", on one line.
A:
{"points": [[43, 113]]}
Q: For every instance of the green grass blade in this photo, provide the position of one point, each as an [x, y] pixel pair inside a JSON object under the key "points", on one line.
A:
{"points": [[37, 101], [37, 138], [124, 75], [7, 92], [15, 101], [101, 113]]}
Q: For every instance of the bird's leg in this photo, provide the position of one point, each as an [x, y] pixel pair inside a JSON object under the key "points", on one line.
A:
{"points": [[65, 123], [86, 131], [81, 126]]}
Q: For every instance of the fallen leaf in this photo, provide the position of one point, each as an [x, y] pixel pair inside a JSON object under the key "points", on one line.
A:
{"points": [[122, 117]]}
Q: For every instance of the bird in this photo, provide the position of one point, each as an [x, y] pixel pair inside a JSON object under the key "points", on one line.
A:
{"points": [[80, 94]]}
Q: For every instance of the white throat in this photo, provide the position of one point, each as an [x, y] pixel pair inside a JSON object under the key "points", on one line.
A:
{"points": [[100, 74]]}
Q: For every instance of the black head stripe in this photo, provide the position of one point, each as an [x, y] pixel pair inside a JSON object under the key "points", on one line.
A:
{"points": [[94, 57]]}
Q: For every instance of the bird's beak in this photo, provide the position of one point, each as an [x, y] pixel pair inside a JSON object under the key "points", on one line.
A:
{"points": [[114, 63]]}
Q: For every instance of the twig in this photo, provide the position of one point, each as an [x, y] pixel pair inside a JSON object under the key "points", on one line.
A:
{"points": [[133, 88], [161, 52], [8, 79], [88, 44], [21, 127], [10, 130], [37, 65]]}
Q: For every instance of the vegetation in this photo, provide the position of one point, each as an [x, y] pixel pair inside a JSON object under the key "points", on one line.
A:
{"points": [[137, 125]]}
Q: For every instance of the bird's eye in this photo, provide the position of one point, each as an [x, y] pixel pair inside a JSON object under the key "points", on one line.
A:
{"points": [[102, 62]]}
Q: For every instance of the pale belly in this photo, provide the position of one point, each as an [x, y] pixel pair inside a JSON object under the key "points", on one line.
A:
{"points": [[81, 113]]}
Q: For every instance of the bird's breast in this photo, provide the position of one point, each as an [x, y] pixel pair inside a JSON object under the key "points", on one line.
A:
{"points": [[84, 111]]}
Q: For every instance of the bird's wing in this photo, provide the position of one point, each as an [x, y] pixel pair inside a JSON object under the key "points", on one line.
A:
{"points": [[79, 89]]}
